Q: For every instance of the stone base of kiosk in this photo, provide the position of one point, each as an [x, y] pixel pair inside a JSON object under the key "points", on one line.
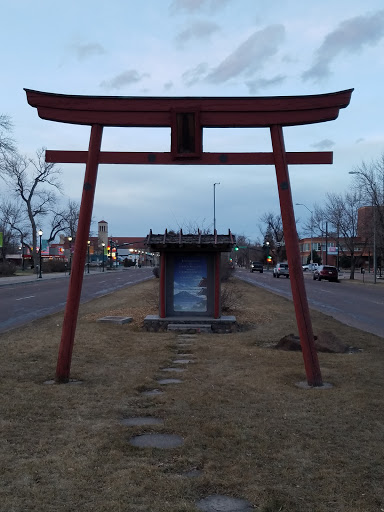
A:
{"points": [[224, 324]]}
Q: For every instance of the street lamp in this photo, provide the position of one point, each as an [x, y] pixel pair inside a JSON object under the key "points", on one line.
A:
{"points": [[22, 253], [110, 253], [103, 246], [214, 206], [70, 254], [40, 235], [374, 229], [310, 211], [88, 245]]}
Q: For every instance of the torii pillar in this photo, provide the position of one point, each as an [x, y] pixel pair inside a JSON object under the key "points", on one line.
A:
{"points": [[187, 117]]}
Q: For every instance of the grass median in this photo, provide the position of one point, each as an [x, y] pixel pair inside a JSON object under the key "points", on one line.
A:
{"points": [[248, 429]]}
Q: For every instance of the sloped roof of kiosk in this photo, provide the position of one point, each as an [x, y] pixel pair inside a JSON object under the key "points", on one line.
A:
{"points": [[192, 241]]}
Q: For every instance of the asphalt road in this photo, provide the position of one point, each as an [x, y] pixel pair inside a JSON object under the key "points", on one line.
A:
{"points": [[24, 302], [353, 303]]}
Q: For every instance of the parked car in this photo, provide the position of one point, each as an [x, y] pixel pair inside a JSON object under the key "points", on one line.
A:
{"points": [[281, 269], [311, 267], [256, 266], [326, 272]]}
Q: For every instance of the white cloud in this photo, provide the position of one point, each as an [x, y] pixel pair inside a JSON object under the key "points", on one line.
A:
{"points": [[255, 86], [87, 50], [168, 85], [126, 78], [251, 55], [195, 74], [323, 144], [196, 30], [192, 6], [351, 36]]}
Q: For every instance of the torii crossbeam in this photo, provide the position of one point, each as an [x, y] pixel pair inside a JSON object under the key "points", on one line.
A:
{"points": [[187, 117]]}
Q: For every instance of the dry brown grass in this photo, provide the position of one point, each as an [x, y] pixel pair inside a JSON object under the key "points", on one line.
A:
{"points": [[246, 425]]}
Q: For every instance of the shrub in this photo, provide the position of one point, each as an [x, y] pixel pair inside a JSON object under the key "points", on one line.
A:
{"points": [[54, 266], [156, 272], [226, 272], [230, 297], [7, 268]]}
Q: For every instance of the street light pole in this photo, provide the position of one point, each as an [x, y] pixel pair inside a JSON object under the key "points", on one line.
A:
{"points": [[214, 206], [22, 254], [40, 235], [70, 254], [103, 246], [88, 245], [310, 211]]}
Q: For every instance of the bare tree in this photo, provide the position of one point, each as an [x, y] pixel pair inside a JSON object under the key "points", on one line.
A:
{"points": [[192, 227], [341, 210], [242, 250], [7, 144], [369, 182], [273, 234], [32, 181], [65, 221], [12, 225]]}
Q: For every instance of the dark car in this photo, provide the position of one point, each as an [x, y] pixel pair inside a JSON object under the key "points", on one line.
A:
{"points": [[256, 266], [326, 272]]}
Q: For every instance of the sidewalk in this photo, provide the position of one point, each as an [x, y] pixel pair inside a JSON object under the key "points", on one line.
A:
{"points": [[367, 277], [29, 278]]}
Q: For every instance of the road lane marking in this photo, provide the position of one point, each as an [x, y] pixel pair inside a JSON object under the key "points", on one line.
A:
{"points": [[29, 297]]}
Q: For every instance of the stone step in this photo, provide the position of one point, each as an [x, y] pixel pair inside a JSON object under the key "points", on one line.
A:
{"points": [[190, 327]]}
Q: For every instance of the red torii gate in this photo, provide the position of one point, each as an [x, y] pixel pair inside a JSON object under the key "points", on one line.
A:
{"points": [[187, 117]]}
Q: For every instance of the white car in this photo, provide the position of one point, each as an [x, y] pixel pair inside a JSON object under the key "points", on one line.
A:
{"points": [[281, 269], [311, 267]]}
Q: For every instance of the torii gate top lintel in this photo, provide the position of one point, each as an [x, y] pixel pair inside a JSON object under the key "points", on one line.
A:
{"points": [[213, 111]]}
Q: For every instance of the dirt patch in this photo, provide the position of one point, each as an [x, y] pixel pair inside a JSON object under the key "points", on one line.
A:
{"points": [[249, 432]]}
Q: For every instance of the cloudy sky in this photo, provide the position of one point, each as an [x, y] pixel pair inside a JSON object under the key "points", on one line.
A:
{"points": [[197, 48]]}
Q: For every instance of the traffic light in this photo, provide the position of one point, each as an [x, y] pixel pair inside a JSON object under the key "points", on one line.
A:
{"points": [[236, 248], [269, 259]]}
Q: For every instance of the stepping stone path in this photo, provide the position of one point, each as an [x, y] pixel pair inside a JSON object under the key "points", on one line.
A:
{"points": [[116, 319], [141, 420], [215, 503], [162, 441], [173, 370], [169, 381], [192, 473], [218, 503], [152, 392]]}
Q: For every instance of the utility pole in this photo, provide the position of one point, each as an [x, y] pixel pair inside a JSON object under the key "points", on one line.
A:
{"points": [[214, 206]]}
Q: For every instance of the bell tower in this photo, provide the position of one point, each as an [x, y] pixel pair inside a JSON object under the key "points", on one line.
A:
{"points": [[103, 232]]}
